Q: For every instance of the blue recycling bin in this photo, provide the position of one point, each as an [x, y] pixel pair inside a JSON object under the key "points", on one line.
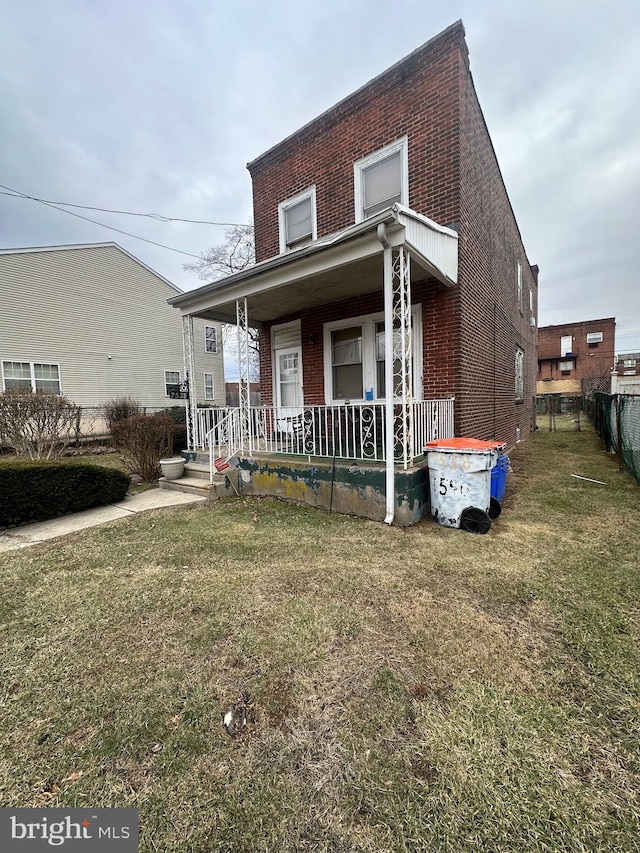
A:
{"points": [[499, 478]]}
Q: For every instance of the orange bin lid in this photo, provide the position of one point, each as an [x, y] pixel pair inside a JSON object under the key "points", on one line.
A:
{"points": [[461, 444]]}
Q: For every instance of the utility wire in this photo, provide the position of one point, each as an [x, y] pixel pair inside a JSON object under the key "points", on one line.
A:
{"points": [[157, 216], [103, 225]]}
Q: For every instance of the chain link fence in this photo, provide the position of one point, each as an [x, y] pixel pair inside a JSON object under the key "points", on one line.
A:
{"points": [[617, 420], [559, 413]]}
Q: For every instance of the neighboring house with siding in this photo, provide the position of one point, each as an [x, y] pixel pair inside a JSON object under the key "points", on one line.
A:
{"points": [[392, 289], [92, 322]]}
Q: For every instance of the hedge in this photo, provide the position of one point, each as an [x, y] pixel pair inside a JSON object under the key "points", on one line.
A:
{"points": [[34, 491]]}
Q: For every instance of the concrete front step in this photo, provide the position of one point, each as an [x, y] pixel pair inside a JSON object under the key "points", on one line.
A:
{"points": [[197, 470], [198, 486]]}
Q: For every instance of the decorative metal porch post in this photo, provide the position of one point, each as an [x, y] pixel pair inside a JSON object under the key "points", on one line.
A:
{"points": [[244, 397], [193, 439], [402, 356]]}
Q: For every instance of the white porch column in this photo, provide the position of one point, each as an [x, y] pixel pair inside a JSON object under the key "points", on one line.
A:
{"points": [[244, 395], [193, 439], [403, 354]]}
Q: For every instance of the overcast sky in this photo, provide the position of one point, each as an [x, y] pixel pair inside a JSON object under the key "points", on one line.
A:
{"points": [[156, 106]]}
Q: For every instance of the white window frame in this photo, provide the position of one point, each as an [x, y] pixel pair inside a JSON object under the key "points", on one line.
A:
{"points": [[368, 323], [207, 340], [166, 391], [519, 285], [400, 145], [310, 192], [32, 372], [567, 365], [519, 374], [629, 362], [594, 337], [208, 385], [564, 346]]}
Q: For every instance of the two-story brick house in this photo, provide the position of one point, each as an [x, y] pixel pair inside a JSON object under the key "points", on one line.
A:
{"points": [[388, 257], [576, 358]]}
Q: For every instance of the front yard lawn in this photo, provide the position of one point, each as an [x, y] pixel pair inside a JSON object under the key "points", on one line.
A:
{"points": [[405, 690]]}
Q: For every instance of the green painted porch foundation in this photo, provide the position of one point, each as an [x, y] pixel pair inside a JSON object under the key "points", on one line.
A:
{"points": [[358, 487]]}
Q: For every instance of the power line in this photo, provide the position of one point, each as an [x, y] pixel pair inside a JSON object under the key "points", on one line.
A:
{"points": [[110, 227], [157, 216]]}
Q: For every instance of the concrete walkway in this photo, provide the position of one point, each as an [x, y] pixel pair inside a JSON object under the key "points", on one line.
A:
{"points": [[41, 531]]}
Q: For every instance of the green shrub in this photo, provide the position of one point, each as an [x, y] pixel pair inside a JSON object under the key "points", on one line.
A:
{"points": [[143, 441], [119, 410], [34, 491]]}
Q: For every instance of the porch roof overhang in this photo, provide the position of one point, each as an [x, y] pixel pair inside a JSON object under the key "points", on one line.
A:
{"points": [[343, 265]]}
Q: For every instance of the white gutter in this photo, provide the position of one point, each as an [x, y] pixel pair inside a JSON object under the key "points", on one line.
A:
{"points": [[390, 481]]}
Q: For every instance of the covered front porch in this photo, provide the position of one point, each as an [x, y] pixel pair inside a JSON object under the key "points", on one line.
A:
{"points": [[326, 395]]}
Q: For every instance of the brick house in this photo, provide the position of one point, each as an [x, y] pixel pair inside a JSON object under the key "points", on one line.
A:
{"points": [[576, 358], [388, 256]]}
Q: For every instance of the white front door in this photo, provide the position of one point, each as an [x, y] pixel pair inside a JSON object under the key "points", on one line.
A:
{"points": [[288, 363]]}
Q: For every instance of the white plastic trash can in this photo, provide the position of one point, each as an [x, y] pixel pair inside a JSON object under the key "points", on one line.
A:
{"points": [[460, 482]]}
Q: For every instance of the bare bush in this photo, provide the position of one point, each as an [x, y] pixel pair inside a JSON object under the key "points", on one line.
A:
{"points": [[40, 426], [143, 441], [119, 410]]}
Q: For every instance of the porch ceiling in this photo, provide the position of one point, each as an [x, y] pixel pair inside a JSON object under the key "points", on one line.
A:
{"points": [[346, 265]]}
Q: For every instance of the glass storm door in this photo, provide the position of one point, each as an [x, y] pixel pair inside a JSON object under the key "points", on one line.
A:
{"points": [[288, 385]]}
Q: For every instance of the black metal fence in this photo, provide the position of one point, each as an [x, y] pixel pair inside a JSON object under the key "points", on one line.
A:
{"points": [[616, 418]]}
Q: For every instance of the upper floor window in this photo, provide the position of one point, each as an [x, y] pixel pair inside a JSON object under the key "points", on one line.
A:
{"points": [[519, 285], [566, 345], [32, 376], [519, 387], [210, 339], [381, 179], [594, 338], [629, 362], [297, 220]]}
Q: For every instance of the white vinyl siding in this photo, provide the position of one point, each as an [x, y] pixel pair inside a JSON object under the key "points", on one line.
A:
{"points": [[102, 318]]}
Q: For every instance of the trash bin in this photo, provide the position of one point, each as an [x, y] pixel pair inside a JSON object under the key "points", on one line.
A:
{"points": [[460, 482], [499, 478]]}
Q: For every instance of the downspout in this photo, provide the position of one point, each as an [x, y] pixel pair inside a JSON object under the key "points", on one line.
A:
{"points": [[390, 483]]}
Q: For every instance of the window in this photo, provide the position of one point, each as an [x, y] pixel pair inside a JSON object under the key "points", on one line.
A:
{"points": [[171, 382], [297, 220], [346, 363], [566, 345], [594, 338], [566, 366], [208, 386], [629, 362], [381, 179], [531, 301], [210, 339], [33, 376], [519, 285], [354, 353], [519, 389]]}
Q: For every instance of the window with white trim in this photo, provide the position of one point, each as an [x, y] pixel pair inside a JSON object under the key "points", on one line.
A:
{"points": [[565, 367], [171, 381], [381, 179], [354, 352], [31, 375], [297, 220], [208, 386], [519, 384], [594, 338], [519, 285], [566, 345], [629, 362], [210, 339]]}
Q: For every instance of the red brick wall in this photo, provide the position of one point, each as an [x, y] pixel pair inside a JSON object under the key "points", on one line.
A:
{"points": [[471, 331]]}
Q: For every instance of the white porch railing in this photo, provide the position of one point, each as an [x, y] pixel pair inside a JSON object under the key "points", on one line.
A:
{"points": [[353, 431]]}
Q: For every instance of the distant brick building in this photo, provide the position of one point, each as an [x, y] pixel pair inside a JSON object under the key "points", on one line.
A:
{"points": [[626, 376], [576, 358]]}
